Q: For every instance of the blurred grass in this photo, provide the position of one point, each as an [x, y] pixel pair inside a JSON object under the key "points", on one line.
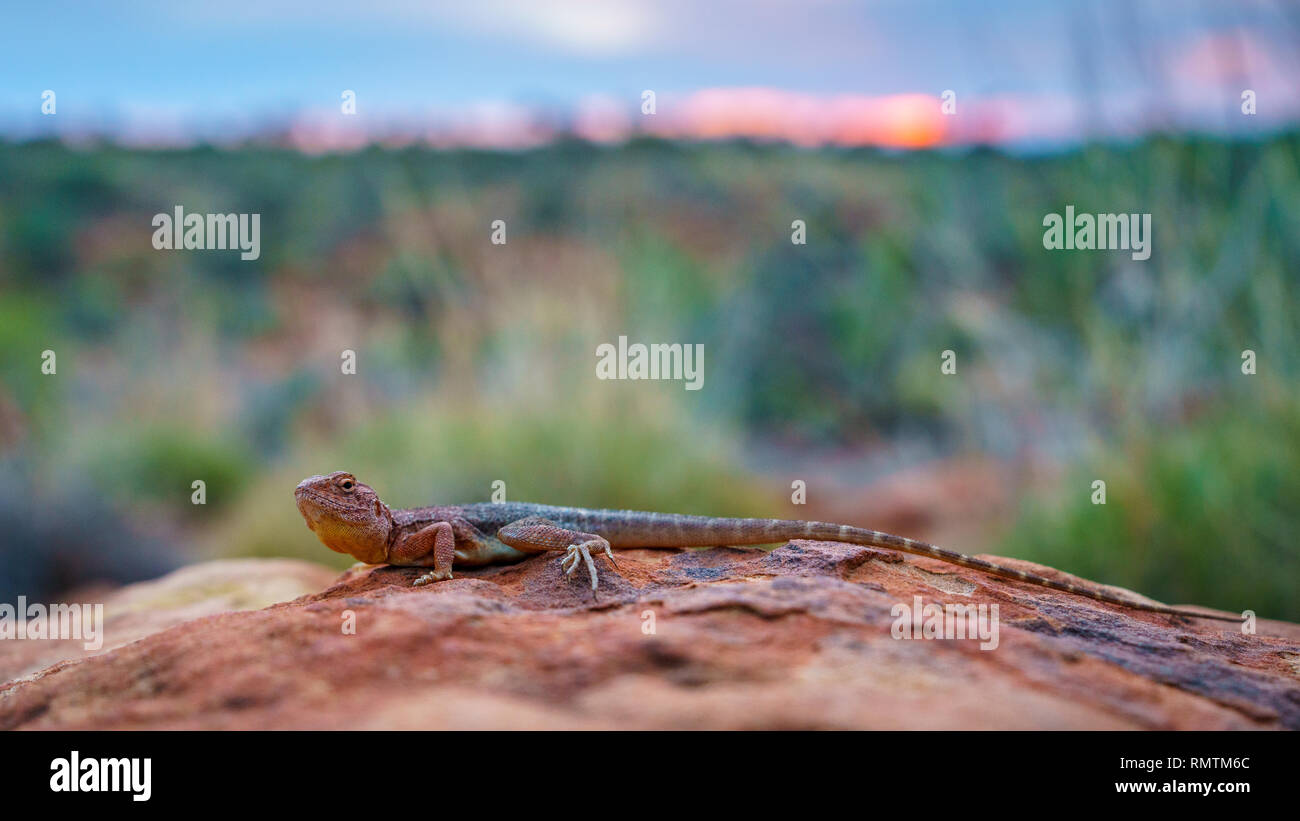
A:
{"points": [[147, 466], [476, 362], [435, 454], [1207, 508]]}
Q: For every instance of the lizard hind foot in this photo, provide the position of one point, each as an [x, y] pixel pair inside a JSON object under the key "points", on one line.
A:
{"points": [[582, 553], [569, 561]]}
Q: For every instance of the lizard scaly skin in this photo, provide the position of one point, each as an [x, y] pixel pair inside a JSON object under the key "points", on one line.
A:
{"points": [[349, 517]]}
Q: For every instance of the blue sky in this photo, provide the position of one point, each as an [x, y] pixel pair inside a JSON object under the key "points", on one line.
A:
{"points": [[177, 69]]}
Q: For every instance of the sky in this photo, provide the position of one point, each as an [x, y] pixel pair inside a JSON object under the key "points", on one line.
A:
{"points": [[493, 72]]}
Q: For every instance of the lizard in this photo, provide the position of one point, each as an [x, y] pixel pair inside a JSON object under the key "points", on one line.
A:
{"points": [[349, 517]]}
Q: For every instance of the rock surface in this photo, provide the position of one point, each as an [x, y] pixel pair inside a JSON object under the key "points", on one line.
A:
{"points": [[720, 638], [142, 609]]}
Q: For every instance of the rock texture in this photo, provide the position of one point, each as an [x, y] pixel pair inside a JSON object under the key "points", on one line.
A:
{"points": [[721, 638], [142, 609]]}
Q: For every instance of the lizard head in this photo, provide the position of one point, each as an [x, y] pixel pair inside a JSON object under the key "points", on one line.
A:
{"points": [[346, 515]]}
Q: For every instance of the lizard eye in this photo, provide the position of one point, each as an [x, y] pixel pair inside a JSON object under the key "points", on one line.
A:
{"points": [[347, 484]]}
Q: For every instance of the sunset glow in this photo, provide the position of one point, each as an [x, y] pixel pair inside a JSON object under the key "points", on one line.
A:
{"points": [[895, 121]]}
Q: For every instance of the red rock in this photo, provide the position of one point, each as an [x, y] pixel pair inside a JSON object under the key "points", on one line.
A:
{"points": [[796, 638], [139, 610]]}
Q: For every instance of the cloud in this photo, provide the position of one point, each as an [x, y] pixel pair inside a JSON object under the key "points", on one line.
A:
{"points": [[579, 27], [592, 29]]}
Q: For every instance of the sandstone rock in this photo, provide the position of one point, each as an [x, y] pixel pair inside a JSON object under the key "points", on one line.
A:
{"points": [[141, 609], [721, 638]]}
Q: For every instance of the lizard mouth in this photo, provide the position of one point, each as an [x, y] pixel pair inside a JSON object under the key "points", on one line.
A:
{"points": [[315, 506], [306, 511]]}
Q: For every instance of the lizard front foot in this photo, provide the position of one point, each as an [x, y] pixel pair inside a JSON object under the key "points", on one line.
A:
{"points": [[582, 552], [433, 576]]}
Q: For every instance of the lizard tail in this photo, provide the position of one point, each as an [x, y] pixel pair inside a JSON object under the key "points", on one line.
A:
{"points": [[876, 538], [639, 529]]}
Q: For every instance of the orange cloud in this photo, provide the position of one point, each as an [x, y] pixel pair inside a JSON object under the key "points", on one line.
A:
{"points": [[895, 121]]}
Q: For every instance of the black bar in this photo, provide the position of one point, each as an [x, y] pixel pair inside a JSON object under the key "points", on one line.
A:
{"points": [[440, 771]]}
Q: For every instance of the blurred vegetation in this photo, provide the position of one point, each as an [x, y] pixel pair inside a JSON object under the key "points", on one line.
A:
{"points": [[551, 457], [1206, 507], [476, 362]]}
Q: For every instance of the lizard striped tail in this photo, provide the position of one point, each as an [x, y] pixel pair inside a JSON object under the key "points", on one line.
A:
{"points": [[876, 538], [644, 529]]}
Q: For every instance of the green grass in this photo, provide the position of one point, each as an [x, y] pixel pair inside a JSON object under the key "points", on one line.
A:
{"points": [[1202, 514], [476, 362], [434, 454]]}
